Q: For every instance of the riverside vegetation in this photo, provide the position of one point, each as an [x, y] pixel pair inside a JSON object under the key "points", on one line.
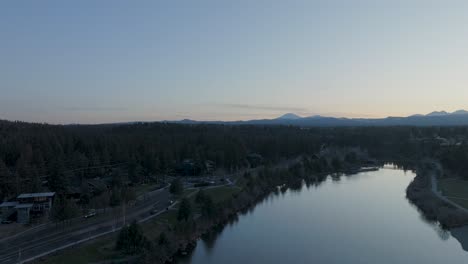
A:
{"points": [[63, 158], [203, 215], [420, 193]]}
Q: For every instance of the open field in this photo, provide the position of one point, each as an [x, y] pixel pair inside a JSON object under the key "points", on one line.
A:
{"points": [[153, 228], [455, 190], [94, 251], [145, 188], [222, 193]]}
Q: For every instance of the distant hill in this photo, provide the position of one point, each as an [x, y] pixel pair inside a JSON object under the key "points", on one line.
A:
{"points": [[438, 113], [437, 118], [460, 112], [289, 116]]}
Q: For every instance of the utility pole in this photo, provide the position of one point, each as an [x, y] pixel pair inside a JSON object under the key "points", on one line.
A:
{"points": [[114, 222], [123, 208], [19, 255]]}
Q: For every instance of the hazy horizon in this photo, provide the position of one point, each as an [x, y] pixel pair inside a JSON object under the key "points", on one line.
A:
{"points": [[117, 61], [254, 117]]}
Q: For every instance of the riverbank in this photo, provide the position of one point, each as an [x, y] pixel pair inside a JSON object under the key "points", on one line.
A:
{"points": [[346, 214], [420, 193], [182, 236], [249, 197]]}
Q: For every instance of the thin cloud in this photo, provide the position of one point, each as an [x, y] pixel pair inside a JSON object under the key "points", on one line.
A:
{"points": [[266, 107], [95, 109], [347, 115]]}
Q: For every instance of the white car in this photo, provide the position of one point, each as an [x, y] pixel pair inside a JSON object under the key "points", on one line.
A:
{"points": [[90, 214]]}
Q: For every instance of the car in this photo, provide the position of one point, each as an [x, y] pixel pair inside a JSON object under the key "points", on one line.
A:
{"points": [[90, 214], [7, 222], [154, 211], [171, 202]]}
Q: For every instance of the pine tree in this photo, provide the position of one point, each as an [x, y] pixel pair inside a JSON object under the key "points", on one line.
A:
{"points": [[185, 210], [176, 187], [5, 181], [131, 240], [63, 209], [208, 207]]}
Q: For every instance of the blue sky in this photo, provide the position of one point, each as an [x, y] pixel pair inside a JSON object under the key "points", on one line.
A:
{"points": [[107, 61]]}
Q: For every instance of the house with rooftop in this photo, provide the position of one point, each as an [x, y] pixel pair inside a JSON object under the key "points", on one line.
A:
{"points": [[41, 201], [33, 204], [24, 213], [97, 185], [7, 209]]}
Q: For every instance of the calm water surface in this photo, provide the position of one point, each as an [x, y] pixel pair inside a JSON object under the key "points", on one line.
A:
{"points": [[363, 218]]}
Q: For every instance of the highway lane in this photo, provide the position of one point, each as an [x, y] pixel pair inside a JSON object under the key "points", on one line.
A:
{"points": [[35, 243], [31, 246], [50, 238]]}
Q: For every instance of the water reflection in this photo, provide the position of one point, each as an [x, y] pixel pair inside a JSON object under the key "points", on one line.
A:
{"points": [[461, 234], [314, 219], [209, 239], [441, 232]]}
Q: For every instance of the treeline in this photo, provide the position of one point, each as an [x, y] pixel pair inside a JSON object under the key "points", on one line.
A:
{"points": [[434, 209], [203, 215], [32, 155], [455, 160], [57, 157]]}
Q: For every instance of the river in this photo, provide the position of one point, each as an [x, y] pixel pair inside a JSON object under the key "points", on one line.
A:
{"points": [[361, 218]]}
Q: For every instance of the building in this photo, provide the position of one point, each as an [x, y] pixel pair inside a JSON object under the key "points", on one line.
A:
{"points": [[24, 212], [97, 185], [210, 166], [27, 205], [41, 201], [7, 209], [33, 204]]}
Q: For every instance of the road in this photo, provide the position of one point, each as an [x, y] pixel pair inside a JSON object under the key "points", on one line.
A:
{"points": [[50, 238]]}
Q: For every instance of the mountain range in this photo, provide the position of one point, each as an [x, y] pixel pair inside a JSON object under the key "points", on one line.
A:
{"points": [[437, 118]]}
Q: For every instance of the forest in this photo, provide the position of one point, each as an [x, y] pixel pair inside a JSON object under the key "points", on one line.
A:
{"points": [[37, 157]]}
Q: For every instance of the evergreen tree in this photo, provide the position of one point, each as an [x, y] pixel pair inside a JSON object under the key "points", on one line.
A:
{"points": [[208, 207], [5, 181], [200, 197], [185, 210], [63, 209], [131, 240], [116, 197], [163, 240], [176, 187]]}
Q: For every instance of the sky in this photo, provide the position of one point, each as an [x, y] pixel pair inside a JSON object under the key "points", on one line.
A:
{"points": [[116, 61]]}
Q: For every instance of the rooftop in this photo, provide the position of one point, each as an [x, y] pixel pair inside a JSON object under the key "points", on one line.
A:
{"points": [[8, 204], [19, 206], [33, 195]]}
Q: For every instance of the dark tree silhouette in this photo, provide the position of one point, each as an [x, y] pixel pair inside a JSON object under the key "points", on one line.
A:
{"points": [[131, 240], [185, 210]]}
